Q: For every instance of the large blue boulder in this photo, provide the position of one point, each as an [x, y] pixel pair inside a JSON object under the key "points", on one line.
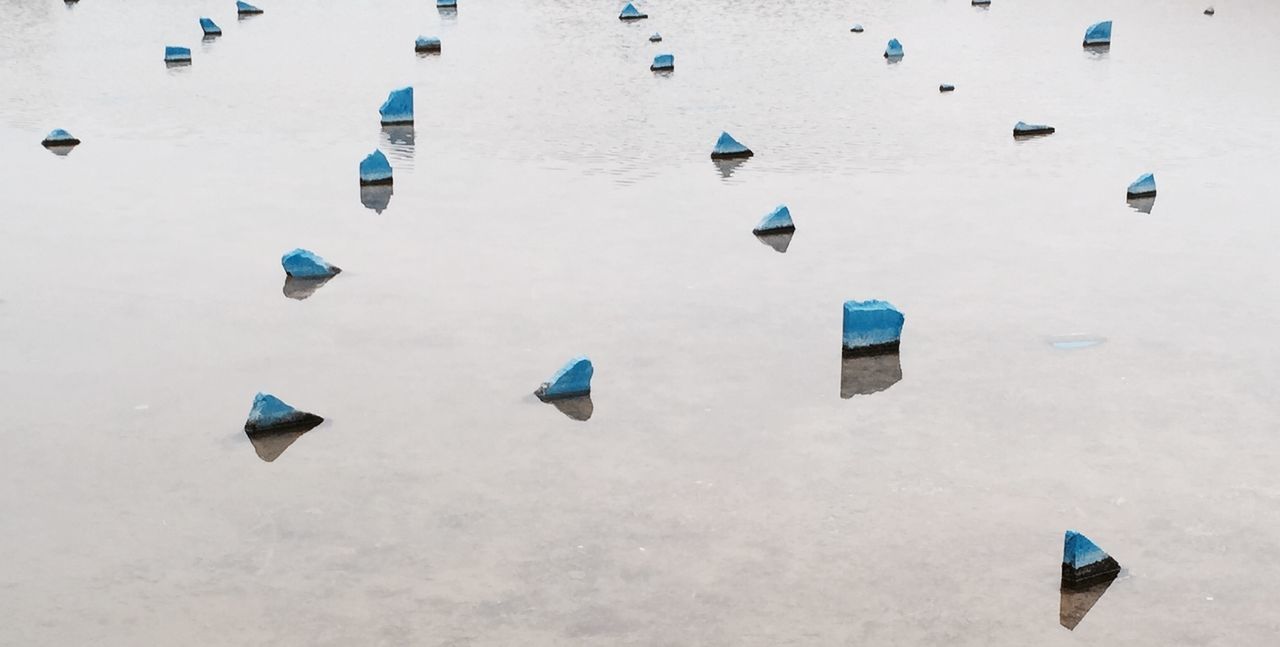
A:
{"points": [[630, 12], [1098, 34], [270, 414], [663, 62], [375, 169], [1084, 564], [174, 54], [727, 148], [246, 9], [871, 327], [305, 264], [1024, 129], [893, 49], [426, 44], [209, 27], [1143, 187], [398, 108], [59, 137], [572, 380], [777, 221]]}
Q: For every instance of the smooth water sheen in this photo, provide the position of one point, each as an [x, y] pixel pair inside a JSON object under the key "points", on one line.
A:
{"points": [[556, 198]]}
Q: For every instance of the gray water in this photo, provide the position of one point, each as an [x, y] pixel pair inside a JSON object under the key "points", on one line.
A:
{"points": [[557, 199]]}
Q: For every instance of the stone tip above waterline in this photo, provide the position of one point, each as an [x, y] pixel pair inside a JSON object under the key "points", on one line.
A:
{"points": [[777, 221], [375, 169], [946, 87], [857, 29], [630, 12], [174, 54], [398, 108], [1084, 563], [572, 380], [871, 327], [1024, 129], [980, 3], [246, 9], [269, 414], [59, 137], [1098, 34], [655, 37], [663, 62], [1208, 11], [893, 49], [426, 44], [210, 28], [1143, 187], [728, 148], [446, 4], [305, 264]]}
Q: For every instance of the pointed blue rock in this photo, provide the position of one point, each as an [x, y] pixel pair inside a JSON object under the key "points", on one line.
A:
{"points": [[398, 108], [871, 327], [1023, 128], [1083, 563], [244, 8], [1143, 187], [727, 147], [210, 28], [375, 169], [269, 413], [426, 44], [573, 379], [630, 12], [893, 49], [776, 222], [305, 264], [655, 37], [173, 54], [663, 62], [59, 137], [1098, 34]]}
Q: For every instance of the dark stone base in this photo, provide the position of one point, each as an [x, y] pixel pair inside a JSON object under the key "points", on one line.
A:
{"points": [[430, 49], [655, 68], [1034, 133], [249, 13], [375, 182], [631, 18], [778, 230], [731, 156], [867, 351], [59, 143], [542, 394], [397, 123], [1148, 194], [1097, 45], [210, 34], [1084, 577], [946, 88], [303, 422]]}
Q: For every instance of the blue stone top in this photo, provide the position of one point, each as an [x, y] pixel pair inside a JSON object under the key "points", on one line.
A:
{"points": [[398, 108], [893, 49], [269, 411], [375, 167], [173, 53], [1024, 126], [244, 7], [1144, 184], [1098, 34], [1078, 551], [779, 218], [655, 37], [664, 61], [870, 323], [209, 27], [574, 378], [446, 3], [630, 11], [423, 41], [305, 264], [58, 135], [727, 145]]}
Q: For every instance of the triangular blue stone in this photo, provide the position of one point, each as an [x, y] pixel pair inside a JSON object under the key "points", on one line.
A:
{"points": [[305, 264], [246, 8], [1098, 33], [1143, 187], [210, 28], [375, 169], [270, 413], [727, 146], [573, 379], [778, 220]]}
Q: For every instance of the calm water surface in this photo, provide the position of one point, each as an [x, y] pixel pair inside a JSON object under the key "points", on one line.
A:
{"points": [[1068, 361]]}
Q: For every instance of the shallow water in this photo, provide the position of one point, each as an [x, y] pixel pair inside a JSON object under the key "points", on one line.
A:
{"points": [[556, 198]]}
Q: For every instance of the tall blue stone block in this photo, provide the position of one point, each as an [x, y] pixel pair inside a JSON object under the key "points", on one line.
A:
{"points": [[777, 221], [398, 108], [375, 169], [210, 28], [893, 49], [1083, 563], [246, 9], [1143, 187], [59, 137], [1024, 129], [871, 327], [174, 54], [663, 62], [426, 44], [1098, 34], [630, 12], [572, 380], [270, 414], [728, 148], [305, 264]]}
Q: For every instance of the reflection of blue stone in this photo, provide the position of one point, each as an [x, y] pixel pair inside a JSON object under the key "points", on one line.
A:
{"points": [[1022, 129], [946, 87], [871, 327], [727, 147], [1143, 187], [630, 12], [573, 379], [426, 44], [59, 137], [857, 29], [210, 28], [655, 37], [663, 62], [376, 197], [270, 413], [244, 8], [305, 264], [174, 54], [375, 169], [398, 108], [776, 221], [893, 49], [1083, 563], [1098, 34]]}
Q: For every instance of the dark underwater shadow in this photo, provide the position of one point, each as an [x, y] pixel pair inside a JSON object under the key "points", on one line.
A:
{"points": [[376, 196], [269, 445], [867, 374], [727, 167], [1141, 205], [299, 288], [579, 408], [1075, 604], [779, 242]]}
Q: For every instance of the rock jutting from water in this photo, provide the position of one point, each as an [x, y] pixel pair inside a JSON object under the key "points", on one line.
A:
{"points": [[246, 9], [209, 27], [655, 37], [1098, 34], [1208, 11], [427, 44], [1024, 129], [630, 12], [59, 137], [173, 54], [857, 29], [871, 327], [572, 380], [728, 148], [777, 221], [375, 169], [305, 264], [1084, 564], [398, 108], [980, 3], [446, 4], [946, 87], [1143, 187], [270, 414], [893, 50], [663, 63]]}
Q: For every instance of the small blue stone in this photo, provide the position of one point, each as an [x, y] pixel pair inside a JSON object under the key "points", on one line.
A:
{"points": [[727, 147], [663, 62], [174, 54], [270, 413], [244, 8], [573, 379], [857, 29], [59, 137], [1098, 34], [1023, 128], [655, 37], [304, 264], [210, 28], [893, 49], [426, 44], [776, 221], [1143, 187], [871, 327], [398, 108], [375, 169], [630, 12]]}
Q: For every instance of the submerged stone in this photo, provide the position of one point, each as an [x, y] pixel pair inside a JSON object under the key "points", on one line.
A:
{"points": [[305, 264], [398, 108], [375, 169], [376, 197], [210, 28], [728, 166], [779, 241], [1143, 187], [1084, 564], [270, 414], [893, 49], [857, 29], [727, 147], [299, 288], [573, 379], [59, 137], [864, 375], [871, 327], [630, 12], [1098, 34], [1075, 604], [173, 54], [244, 8], [775, 222], [1024, 129], [655, 37], [426, 44], [663, 62], [946, 87], [577, 408]]}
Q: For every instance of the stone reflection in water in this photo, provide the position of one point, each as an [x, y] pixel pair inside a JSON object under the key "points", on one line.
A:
{"points": [[579, 408], [270, 445], [867, 374], [779, 242], [376, 196], [728, 166], [1076, 341], [1076, 603], [300, 288], [398, 139], [1142, 205]]}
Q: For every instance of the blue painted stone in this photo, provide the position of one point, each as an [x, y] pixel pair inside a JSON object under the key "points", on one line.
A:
{"points": [[857, 29], [1143, 187], [1083, 563], [210, 28], [174, 54], [663, 62], [727, 147], [776, 221], [269, 413], [375, 169], [1023, 128], [871, 327], [446, 4], [655, 37], [946, 87], [893, 49], [305, 264], [426, 44], [630, 12], [1098, 34], [573, 379], [59, 137], [398, 108], [244, 8]]}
